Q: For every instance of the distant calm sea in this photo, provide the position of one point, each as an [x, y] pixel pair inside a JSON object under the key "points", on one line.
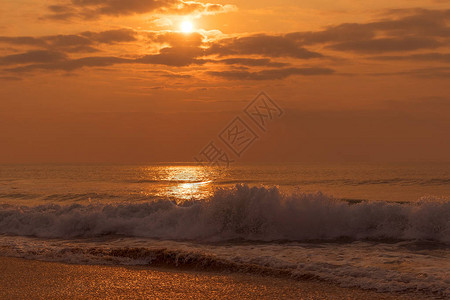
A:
{"points": [[374, 226]]}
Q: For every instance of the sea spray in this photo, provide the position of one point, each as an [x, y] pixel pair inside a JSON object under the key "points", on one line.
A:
{"points": [[241, 212]]}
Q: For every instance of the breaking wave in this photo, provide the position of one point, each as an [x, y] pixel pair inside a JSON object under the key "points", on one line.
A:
{"points": [[430, 281], [242, 212]]}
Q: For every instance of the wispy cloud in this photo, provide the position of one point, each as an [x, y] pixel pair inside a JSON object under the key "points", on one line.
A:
{"points": [[92, 9], [271, 74], [270, 56]]}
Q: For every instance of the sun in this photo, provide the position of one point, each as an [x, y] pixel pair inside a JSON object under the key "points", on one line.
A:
{"points": [[187, 26]]}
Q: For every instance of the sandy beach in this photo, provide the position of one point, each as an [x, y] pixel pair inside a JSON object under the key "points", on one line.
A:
{"points": [[28, 279]]}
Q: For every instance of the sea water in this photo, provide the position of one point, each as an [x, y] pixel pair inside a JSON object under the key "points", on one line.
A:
{"points": [[375, 226]]}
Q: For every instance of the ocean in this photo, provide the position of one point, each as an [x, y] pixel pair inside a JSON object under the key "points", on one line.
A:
{"points": [[383, 227]]}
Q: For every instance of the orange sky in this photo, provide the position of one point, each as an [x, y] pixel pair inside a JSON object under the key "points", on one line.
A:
{"points": [[118, 82]]}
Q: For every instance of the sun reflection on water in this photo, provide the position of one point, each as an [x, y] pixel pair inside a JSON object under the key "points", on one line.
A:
{"points": [[183, 183]]}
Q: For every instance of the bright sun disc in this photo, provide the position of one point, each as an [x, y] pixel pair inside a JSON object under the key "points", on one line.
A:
{"points": [[187, 26]]}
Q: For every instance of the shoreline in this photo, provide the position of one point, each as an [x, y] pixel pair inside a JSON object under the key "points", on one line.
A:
{"points": [[23, 278]]}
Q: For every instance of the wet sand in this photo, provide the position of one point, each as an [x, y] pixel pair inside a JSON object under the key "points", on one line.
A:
{"points": [[28, 279]]}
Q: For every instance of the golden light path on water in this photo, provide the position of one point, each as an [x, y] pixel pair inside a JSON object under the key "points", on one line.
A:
{"points": [[183, 182]]}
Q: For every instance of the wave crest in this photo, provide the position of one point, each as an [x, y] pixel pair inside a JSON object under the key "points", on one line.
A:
{"points": [[242, 212]]}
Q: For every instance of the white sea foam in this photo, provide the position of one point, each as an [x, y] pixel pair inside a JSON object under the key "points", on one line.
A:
{"points": [[420, 268], [242, 212]]}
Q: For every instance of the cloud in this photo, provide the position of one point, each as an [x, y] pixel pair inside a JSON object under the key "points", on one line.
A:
{"points": [[10, 78], [177, 75], [23, 41], [36, 56], [387, 45], [270, 74], [177, 56], [266, 45], [174, 57], [82, 42], [111, 36], [252, 62], [267, 56], [433, 73], [430, 73], [193, 7], [177, 39], [177, 50], [91, 9], [68, 43], [429, 23], [97, 8], [422, 22], [434, 56], [423, 29], [73, 64], [420, 29], [340, 33]]}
